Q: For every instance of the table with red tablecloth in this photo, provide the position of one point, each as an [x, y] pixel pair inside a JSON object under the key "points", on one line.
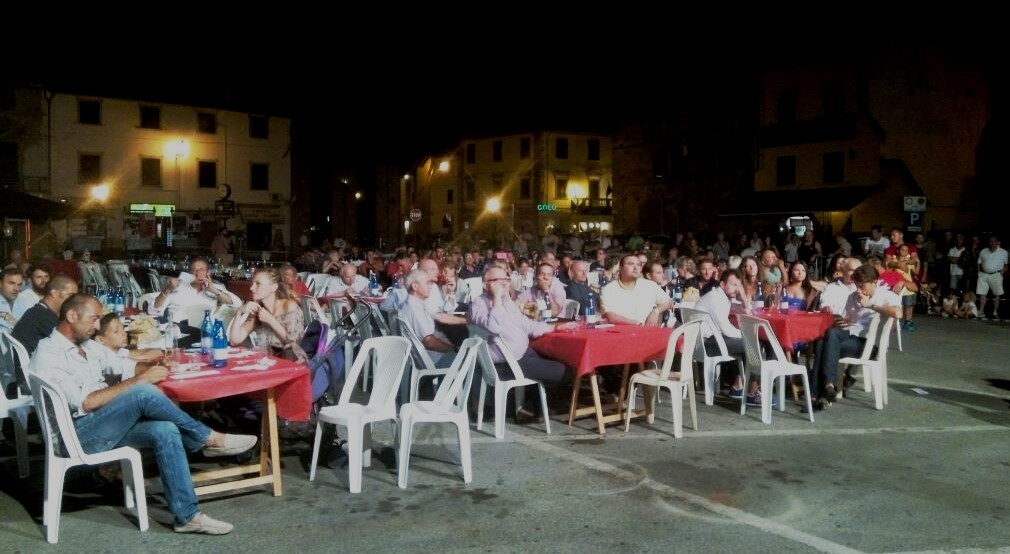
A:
{"points": [[288, 394], [797, 327], [587, 349]]}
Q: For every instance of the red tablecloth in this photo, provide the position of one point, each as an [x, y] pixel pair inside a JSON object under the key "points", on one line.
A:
{"points": [[241, 288], [585, 350], [797, 327], [290, 381]]}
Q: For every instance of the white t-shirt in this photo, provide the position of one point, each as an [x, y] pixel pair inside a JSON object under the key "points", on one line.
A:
{"points": [[876, 247], [335, 285], [992, 262], [955, 268], [717, 304], [25, 300], [634, 304], [859, 317]]}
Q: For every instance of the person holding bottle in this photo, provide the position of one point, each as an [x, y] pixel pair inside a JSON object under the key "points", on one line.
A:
{"points": [[545, 284], [276, 319], [191, 289]]}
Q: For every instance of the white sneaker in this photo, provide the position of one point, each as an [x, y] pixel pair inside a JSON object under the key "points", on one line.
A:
{"points": [[232, 445], [205, 525]]}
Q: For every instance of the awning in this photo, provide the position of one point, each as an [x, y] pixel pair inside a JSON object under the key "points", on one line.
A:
{"points": [[17, 204], [804, 201]]}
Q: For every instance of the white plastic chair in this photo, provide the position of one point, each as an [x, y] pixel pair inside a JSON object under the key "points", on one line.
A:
{"points": [[770, 370], [316, 282], [502, 387], [678, 384], [58, 428], [16, 408], [475, 288], [875, 369], [154, 280], [423, 365], [570, 309], [710, 364], [449, 406], [390, 355], [194, 314]]}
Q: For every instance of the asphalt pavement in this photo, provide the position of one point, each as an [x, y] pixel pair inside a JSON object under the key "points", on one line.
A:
{"points": [[929, 473]]}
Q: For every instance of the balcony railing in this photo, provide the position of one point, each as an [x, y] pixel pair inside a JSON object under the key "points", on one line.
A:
{"points": [[592, 206]]}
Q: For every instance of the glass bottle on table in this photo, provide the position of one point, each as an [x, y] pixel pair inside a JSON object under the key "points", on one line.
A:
{"points": [[220, 350], [206, 335], [373, 284], [759, 297], [591, 317], [544, 306]]}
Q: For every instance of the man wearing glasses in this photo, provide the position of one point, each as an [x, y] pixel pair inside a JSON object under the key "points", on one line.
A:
{"points": [[496, 312], [193, 289]]}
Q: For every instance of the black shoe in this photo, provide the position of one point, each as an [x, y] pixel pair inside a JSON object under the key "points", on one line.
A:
{"points": [[847, 382], [829, 393], [818, 406]]}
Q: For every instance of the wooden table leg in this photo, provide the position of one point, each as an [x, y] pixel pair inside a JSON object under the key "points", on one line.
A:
{"points": [[596, 402], [573, 406], [270, 435]]}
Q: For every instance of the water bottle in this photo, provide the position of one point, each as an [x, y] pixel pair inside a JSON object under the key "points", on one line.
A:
{"points": [[544, 306], [678, 292], [759, 300], [591, 318], [373, 284], [171, 341], [220, 350], [206, 335], [120, 302], [784, 301]]}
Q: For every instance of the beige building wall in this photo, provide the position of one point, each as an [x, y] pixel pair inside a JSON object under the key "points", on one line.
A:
{"points": [[122, 143]]}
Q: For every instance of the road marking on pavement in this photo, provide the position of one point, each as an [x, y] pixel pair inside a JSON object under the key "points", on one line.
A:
{"points": [[739, 516], [742, 433], [1003, 549]]}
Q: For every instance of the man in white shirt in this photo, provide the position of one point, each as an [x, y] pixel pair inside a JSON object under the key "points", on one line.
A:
{"points": [[992, 264], [836, 293], [877, 243], [848, 335], [452, 325], [717, 304], [132, 412], [184, 292], [37, 279], [955, 270], [632, 300], [348, 281], [10, 287]]}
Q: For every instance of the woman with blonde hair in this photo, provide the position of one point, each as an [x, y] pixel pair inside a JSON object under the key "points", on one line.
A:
{"points": [[276, 319]]}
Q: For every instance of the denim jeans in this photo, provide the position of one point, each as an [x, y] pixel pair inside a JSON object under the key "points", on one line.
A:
{"points": [[143, 417]]}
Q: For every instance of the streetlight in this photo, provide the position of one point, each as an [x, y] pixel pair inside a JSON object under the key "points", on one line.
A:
{"points": [[100, 193], [493, 206]]}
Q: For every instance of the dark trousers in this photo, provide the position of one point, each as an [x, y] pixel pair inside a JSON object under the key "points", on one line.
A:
{"points": [[838, 343]]}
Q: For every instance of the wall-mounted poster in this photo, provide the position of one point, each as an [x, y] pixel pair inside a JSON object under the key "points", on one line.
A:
{"points": [[96, 225], [77, 227]]}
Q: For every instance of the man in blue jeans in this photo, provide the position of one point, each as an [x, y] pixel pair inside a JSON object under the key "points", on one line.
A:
{"points": [[131, 412]]}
